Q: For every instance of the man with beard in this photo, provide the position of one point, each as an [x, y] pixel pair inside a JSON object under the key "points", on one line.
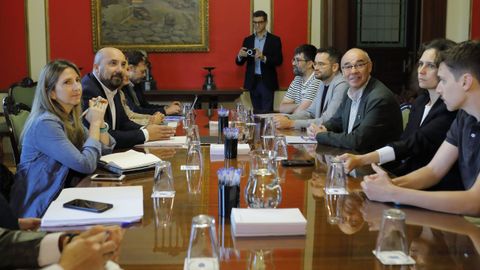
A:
{"points": [[137, 70], [109, 67], [368, 117], [303, 88], [329, 96]]}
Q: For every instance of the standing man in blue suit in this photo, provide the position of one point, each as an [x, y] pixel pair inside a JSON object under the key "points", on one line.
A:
{"points": [[262, 51]]}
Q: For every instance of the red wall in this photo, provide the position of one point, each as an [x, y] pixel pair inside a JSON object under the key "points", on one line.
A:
{"points": [[229, 24], [475, 22], [13, 46]]}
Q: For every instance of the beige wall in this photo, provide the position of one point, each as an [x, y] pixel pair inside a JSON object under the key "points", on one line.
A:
{"points": [[458, 20]]}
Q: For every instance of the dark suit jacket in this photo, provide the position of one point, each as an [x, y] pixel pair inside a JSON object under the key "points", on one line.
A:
{"points": [[273, 51], [378, 121], [419, 143], [7, 219], [144, 107], [19, 249], [127, 133]]}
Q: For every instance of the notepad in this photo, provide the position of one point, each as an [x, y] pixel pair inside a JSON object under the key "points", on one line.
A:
{"points": [[130, 160], [267, 222], [176, 141], [127, 206]]}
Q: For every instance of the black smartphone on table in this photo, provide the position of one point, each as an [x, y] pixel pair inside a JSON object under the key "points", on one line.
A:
{"points": [[298, 162], [86, 205]]}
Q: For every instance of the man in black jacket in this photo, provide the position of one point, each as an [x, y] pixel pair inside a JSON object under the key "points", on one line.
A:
{"points": [[262, 51], [108, 69], [137, 67]]}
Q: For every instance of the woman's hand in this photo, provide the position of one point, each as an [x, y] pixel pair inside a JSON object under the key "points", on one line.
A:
{"points": [[156, 118], [96, 111]]}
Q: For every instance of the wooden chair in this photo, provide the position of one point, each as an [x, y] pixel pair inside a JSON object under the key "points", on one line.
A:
{"points": [[16, 108]]}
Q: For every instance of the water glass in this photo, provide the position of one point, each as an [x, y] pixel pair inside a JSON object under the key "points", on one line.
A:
{"points": [[280, 146], [392, 240], [336, 182], [163, 181], [203, 247], [192, 134], [268, 135], [194, 165]]}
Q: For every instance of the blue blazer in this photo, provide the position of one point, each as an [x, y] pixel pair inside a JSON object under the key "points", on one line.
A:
{"points": [[47, 158]]}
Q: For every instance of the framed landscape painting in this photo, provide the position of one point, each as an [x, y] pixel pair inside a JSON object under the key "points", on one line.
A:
{"points": [[150, 25]]}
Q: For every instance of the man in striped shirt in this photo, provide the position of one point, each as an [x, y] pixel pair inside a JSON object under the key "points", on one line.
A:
{"points": [[303, 88]]}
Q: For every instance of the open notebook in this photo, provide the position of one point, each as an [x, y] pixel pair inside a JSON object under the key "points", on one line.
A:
{"points": [[128, 161]]}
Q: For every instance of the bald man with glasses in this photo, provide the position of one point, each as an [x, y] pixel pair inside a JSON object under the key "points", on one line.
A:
{"points": [[369, 115]]}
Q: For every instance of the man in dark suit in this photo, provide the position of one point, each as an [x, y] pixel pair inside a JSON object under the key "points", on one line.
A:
{"points": [[262, 51], [369, 116], [106, 79], [137, 70]]}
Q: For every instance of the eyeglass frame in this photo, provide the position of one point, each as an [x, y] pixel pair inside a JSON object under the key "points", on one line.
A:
{"points": [[259, 22], [296, 60], [357, 66]]}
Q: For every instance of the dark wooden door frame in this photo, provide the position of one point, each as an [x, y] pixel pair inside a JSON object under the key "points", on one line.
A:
{"points": [[337, 20]]}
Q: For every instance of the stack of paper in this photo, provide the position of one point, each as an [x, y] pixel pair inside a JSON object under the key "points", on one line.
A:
{"points": [[266, 222], [177, 141], [130, 160], [127, 206]]}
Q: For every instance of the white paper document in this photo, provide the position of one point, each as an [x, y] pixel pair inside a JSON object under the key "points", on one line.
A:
{"points": [[267, 222], [176, 141], [217, 149], [127, 161], [127, 206], [300, 140]]}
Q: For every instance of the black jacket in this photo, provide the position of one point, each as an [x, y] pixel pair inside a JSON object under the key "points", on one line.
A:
{"points": [[127, 133], [273, 51]]}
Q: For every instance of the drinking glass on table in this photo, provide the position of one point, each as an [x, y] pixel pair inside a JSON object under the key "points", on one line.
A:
{"points": [[268, 135], [203, 247], [163, 180]]}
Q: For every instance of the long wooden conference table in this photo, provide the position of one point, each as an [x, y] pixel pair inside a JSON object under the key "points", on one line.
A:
{"points": [[341, 230]]}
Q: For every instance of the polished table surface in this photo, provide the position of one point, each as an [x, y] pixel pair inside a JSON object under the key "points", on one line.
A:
{"points": [[341, 230]]}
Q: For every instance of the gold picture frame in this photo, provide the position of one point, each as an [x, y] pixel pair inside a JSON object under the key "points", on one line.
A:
{"points": [[151, 25]]}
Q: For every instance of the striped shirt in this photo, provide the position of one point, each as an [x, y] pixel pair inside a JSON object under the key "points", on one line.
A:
{"points": [[300, 90]]}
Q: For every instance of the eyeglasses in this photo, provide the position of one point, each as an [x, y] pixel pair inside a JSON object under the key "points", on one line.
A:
{"points": [[297, 60], [357, 66], [258, 22]]}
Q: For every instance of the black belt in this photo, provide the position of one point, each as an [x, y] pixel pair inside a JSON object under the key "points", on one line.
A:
{"points": [[258, 76]]}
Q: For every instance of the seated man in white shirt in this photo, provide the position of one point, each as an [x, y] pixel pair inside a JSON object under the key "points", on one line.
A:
{"points": [[303, 88], [329, 96]]}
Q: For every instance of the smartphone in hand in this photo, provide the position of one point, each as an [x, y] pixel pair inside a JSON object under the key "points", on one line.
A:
{"points": [[86, 205]]}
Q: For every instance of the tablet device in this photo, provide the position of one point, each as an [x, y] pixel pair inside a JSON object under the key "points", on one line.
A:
{"points": [[86, 205]]}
